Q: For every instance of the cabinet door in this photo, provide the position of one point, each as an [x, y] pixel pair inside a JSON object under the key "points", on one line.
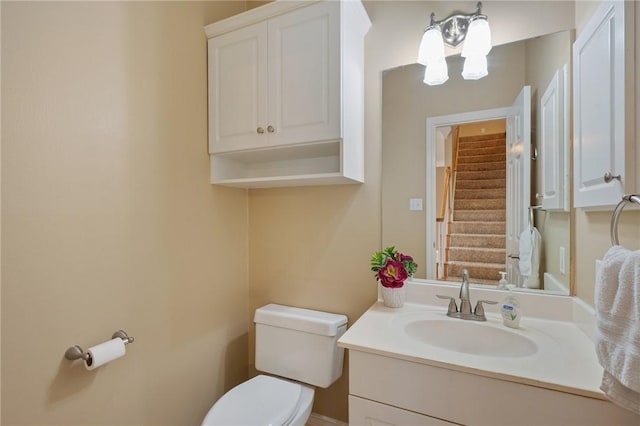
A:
{"points": [[600, 139], [237, 89], [304, 75], [553, 119]]}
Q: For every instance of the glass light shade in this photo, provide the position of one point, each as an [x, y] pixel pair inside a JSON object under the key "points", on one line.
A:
{"points": [[475, 67], [436, 73], [478, 39], [431, 47]]}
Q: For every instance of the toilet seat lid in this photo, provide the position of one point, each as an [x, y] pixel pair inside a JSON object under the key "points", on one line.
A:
{"points": [[263, 400]]}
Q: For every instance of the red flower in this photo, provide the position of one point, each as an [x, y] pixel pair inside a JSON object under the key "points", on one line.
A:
{"points": [[393, 274], [405, 258]]}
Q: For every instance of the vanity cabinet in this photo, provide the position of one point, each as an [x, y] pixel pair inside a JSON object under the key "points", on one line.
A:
{"points": [[386, 390], [604, 157], [286, 95]]}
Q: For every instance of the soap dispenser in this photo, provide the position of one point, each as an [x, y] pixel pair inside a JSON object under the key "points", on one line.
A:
{"points": [[510, 309], [502, 284]]}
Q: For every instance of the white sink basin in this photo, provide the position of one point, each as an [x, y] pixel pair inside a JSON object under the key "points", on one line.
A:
{"points": [[470, 337]]}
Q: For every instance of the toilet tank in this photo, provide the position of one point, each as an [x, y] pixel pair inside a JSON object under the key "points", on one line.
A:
{"points": [[299, 344]]}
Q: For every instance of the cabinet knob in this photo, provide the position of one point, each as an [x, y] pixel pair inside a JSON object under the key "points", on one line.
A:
{"points": [[270, 129], [260, 130], [608, 177]]}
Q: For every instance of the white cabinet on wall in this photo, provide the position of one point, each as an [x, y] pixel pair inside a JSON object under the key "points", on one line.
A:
{"points": [[604, 142], [286, 95]]}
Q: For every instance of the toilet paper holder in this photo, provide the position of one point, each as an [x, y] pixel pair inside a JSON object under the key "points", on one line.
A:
{"points": [[76, 352]]}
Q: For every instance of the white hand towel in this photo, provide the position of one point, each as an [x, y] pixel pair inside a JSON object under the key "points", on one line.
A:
{"points": [[529, 264], [617, 340], [525, 252]]}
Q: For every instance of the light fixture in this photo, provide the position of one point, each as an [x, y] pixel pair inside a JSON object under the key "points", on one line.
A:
{"points": [[436, 73], [475, 67], [431, 55], [474, 28]]}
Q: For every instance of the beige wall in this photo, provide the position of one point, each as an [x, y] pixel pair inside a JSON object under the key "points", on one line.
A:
{"points": [[592, 237], [108, 218], [483, 128], [251, 4]]}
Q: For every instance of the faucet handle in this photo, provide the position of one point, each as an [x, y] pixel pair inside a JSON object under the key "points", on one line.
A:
{"points": [[453, 308], [479, 309]]}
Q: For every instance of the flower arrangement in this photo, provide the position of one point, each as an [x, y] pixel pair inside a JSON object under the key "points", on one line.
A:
{"points": [[392, 268]]}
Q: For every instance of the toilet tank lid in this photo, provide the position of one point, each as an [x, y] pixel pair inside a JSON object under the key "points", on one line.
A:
{"points": [[307, 320]]}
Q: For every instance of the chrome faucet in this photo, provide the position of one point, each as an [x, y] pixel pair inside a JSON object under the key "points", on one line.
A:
{"points": [[465, 303]]}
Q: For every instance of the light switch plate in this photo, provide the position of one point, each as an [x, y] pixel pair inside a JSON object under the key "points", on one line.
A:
{"points": [[415, 204]]}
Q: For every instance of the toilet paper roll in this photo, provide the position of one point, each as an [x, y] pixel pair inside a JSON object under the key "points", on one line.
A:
{"points": [[104, 353]]}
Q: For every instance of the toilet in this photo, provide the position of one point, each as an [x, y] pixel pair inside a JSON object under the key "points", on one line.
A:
{"points": [[300, 347]]}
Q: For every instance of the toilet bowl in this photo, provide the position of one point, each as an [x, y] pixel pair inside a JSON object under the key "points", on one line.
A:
{"points": [[263, 400], [291, 343]]}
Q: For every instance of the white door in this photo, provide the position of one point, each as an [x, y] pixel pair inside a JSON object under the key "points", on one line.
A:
{"points": [[599, 108], [304, 75], [238, 89], [518, 179]]}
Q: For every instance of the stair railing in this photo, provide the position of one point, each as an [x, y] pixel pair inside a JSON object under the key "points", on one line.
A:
{"points": [[456, 146], [442, 226], [447, 213]]}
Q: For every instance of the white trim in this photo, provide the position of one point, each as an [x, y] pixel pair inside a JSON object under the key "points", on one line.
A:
{"points": [[254, 16], [430, 196], [566, 136]]}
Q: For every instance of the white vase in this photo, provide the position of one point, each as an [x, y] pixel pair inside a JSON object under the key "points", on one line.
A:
{"points": [[393, 297]]}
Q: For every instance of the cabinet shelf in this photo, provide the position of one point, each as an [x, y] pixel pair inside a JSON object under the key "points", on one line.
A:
{"points": [[298, 165]]}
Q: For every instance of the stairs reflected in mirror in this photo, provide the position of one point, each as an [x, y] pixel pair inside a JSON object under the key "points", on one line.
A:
{"points": [[476, 238]]}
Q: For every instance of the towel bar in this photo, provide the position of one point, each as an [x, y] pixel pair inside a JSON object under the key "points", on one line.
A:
{"points": [[531, 209], [629, 198]]}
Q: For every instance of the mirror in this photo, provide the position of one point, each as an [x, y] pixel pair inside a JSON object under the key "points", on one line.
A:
{"points": [[423, 161]]}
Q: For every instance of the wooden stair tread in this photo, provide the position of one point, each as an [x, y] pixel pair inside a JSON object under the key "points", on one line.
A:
{"points": [[473, 280], [476, 235], [476, 264], [489, 249], [467, 222]]}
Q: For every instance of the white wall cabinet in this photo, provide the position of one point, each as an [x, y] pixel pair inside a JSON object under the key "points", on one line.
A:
{"points": [[604, 140], [286, 95]]}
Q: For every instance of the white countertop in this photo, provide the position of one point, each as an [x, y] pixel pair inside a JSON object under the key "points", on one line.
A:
{"points": [[565, 360]]}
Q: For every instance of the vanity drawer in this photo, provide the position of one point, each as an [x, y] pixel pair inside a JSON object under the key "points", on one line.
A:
{"points": [[363, 412]]}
